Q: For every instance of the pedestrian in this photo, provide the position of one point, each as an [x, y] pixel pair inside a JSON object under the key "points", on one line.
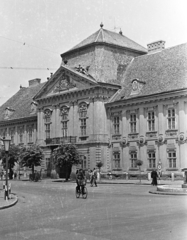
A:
{"points": [[154, 176], [91, 178], [95, 177]]}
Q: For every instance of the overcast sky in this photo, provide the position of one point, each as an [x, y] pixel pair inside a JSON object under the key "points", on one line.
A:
{"points": [[33, 33]]}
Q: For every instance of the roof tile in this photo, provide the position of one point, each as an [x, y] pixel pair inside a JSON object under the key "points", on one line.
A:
{"points": [[162, 71], [21, 103]]}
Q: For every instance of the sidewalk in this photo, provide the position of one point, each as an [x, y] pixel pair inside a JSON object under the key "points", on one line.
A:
{"points": [[9, 203], [137, 181]]}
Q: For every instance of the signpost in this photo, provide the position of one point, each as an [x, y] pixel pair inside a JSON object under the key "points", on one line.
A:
{"points": [[159, 167]]}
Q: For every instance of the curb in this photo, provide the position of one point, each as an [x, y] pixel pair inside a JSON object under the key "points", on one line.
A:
{"points": [[168, 193], [11, 204]]}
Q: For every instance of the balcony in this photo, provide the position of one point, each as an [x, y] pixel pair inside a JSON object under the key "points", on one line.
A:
{"points": [[60, 140]]}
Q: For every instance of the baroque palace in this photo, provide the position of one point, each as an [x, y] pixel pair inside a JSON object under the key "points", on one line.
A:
{"points": [[114, 99]]}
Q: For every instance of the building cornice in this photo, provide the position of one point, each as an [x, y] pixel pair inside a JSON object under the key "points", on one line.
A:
{"points": [[18, 121], [179, 93], [90, 91], [97, 44]]}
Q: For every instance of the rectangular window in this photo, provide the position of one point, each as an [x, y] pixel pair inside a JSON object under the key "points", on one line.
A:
{"points": [[83, 162], [82, 114], [12, 132], [171, 119], [64, 129], [133, 158], [152, 159], [172, 159], [64, 117], [151, 121], [21, 135], [133, 123], [30, 135], [83, 127], [116, 125], [47, 130], [116, 160], [47, 125], [4, 133]]}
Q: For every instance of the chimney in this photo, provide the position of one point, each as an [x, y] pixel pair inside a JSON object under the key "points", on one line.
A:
{"points": [[34, 82], [156, 46]]}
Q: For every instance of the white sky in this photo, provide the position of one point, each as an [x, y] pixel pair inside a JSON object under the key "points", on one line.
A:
{"points": [[28, 27]]}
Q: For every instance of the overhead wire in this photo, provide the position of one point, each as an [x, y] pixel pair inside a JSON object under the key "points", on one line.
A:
{"points": [[27, 44], [27, 68], [30, 45]]}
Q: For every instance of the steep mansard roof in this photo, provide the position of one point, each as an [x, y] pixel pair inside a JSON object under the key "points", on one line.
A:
{"points": [[108, 37], [20, 103], [159, 72]]}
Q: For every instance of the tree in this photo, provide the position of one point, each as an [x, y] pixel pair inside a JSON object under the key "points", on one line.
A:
{"points": [[13, 157], [99, 165], [139, 163], [65, 156], [31, 156]]}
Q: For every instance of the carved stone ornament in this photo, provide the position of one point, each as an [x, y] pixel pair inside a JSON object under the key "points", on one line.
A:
{"points": [[160, 139], [83, 107], [64, 110], [141, 140], [123, 142], [48, 112], [181, 138], [109, 143], [64, 83]]}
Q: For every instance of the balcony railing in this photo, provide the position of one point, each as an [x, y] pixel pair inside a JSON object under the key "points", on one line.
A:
{"points": [[60, 140]]}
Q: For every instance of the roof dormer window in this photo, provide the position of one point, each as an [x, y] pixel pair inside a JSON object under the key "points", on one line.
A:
{"points": [[33, 107], [8, 112], [137, 86]]}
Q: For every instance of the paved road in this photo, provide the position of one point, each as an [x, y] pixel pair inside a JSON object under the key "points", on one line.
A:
{"points": [[49, 210]]}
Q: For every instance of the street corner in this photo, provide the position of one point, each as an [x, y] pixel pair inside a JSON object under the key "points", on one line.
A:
{"points": [[8, 203]]}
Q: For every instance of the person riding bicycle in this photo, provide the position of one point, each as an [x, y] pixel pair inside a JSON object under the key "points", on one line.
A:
{"points": [[80, 179]]}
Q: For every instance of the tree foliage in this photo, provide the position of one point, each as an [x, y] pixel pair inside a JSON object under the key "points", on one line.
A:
{"points": [[139, 163], [13, 157], [65, 155], [31, 156], [99, 165]]}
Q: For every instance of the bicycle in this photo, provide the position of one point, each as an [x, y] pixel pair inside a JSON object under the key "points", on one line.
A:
{"points": [[81, 191]]}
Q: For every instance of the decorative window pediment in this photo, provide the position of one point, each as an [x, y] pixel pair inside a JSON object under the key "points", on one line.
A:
{"points": [[83, 106], [64, 110], [137, 86], [48, 112]]}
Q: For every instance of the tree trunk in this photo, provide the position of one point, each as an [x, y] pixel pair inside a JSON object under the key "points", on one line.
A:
{"points": [[33, 169]]}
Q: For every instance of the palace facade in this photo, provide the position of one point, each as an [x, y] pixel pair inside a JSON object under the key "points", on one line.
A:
{"points": [[112, 98]]}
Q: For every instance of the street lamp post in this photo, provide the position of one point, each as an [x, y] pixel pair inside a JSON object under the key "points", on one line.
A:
{"points": [[6, 142]]}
